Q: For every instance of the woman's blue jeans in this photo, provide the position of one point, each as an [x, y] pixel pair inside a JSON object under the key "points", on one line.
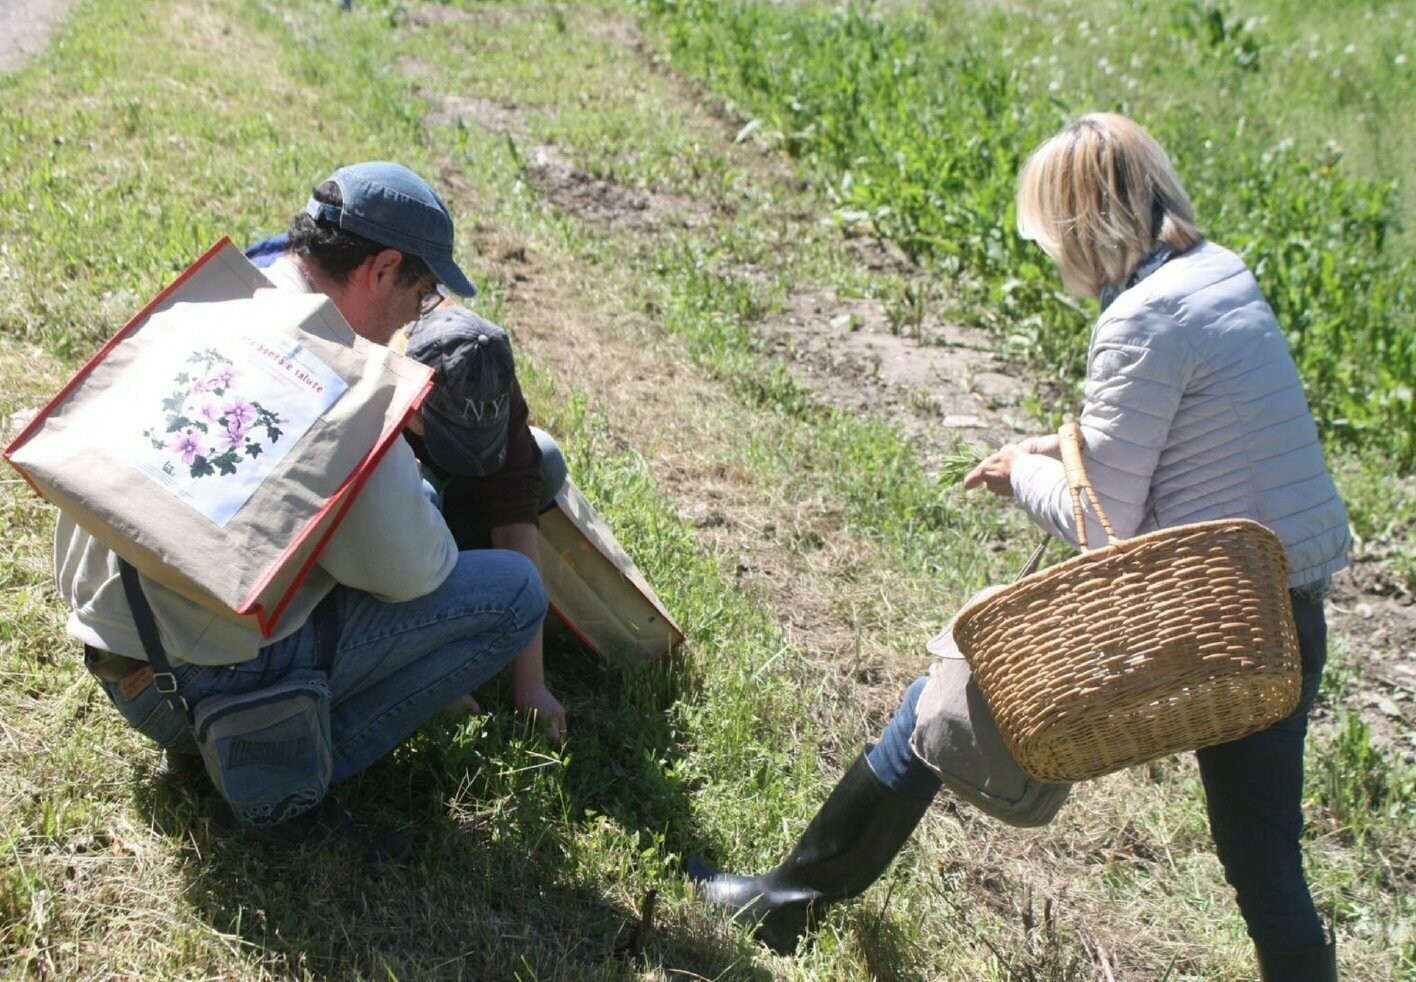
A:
{"points": [[394, 664], [1253, 793]]}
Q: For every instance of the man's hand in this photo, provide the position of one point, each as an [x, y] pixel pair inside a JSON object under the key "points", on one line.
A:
{"points": [[995, 473], [535, 700]]}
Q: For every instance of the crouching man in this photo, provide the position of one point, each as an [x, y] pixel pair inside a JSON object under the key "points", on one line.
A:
{"points": [[393, 623]]}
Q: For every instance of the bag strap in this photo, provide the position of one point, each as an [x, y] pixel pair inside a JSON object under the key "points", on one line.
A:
{"points": [[325, 616], [1070, 438], [326, 620], [162, 676], [1034, 561]]}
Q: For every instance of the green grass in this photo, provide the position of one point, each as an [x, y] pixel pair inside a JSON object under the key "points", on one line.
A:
{"points": [[532, 863]]}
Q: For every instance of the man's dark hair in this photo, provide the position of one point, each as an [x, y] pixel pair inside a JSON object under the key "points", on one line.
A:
{"points": [[339, 252]]}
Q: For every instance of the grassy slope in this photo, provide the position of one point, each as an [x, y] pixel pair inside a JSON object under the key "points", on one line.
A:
{"points": [[531, 863]]}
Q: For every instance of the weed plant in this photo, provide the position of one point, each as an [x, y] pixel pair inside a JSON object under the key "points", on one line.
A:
{"points": [[1359, 783]]}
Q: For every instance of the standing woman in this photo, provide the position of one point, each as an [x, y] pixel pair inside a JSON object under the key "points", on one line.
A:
{"points": [[1193, 411]]}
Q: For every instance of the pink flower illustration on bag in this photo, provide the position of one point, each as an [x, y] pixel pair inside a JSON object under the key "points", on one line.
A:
{"points": [[208, 436], [186, 445]]}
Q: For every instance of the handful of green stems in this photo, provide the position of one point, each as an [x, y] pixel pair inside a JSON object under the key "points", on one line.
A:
{"points": [[962, 458]]}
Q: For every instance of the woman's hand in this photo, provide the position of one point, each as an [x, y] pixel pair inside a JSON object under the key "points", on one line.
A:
{"points": [[1049, 445], [995, 473]]}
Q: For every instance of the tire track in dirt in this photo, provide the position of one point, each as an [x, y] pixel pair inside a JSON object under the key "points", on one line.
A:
{"points": [[632, 376]]}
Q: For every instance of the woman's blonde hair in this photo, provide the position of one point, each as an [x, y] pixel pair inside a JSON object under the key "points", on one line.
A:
{"points": [[1099, 197]]}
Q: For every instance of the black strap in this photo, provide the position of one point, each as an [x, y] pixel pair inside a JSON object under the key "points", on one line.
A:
{"points": [[326, 620], [146, 624], [325, 617]]}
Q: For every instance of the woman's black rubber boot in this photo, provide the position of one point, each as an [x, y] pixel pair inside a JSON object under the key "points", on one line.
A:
{"points": [[849, 843], [1313, 965]]}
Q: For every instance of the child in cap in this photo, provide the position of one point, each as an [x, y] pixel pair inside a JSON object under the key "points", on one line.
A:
{"points": [[492, 471]]}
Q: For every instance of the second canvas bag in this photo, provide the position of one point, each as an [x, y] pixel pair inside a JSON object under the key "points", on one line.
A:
{"points": [[595, 590]]}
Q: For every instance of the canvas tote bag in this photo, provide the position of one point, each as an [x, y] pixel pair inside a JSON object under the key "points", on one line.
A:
{"points": [[956, 736], [595, 591], [217, 440]]}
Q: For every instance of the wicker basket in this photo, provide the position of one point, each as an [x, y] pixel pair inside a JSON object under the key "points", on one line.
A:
{"points": [[1170, 641]]}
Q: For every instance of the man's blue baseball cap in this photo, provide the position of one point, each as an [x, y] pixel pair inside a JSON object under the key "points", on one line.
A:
{"points": [[389, 204]]}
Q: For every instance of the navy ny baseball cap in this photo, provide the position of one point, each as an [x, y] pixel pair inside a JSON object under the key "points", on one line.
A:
{"points": [[389, 204], [466, 416]]}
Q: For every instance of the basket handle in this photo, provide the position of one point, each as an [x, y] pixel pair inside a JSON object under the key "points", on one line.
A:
{"points": [[1070, 437]]}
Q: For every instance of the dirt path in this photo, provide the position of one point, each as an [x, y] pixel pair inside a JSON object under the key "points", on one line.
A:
{"points": [[624, 363], [25, 26]]}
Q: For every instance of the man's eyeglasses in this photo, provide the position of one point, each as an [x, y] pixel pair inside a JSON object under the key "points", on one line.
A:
{"points": [[431, 300]]}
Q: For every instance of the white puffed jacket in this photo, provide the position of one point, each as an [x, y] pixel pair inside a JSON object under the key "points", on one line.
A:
{"points": [[1194, 411]]}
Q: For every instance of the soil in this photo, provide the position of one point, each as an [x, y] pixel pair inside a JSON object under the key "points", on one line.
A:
{"points": [[1376, 619], [937, 382], [593, 200]]}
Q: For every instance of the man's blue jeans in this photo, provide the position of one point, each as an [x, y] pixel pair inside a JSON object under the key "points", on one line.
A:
{"points": [[1253, 792], [395, 664]]}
